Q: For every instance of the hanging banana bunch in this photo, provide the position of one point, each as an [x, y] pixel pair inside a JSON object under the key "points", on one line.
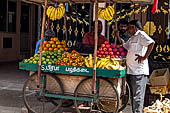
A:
{"points": [[55, 13], [106, 13]]}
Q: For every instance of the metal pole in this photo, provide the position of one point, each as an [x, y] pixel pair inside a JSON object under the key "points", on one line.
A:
{"points": [[95, 46], [42, 36], [39, 22]]}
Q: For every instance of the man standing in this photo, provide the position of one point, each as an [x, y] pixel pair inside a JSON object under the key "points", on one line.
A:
{"points": [[88, 39], [139, 47]]}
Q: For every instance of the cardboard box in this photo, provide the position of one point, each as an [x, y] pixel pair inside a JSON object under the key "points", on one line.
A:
{"points": [[159, 90], [160, 77]]}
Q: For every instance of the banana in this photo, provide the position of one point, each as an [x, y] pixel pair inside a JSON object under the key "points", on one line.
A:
{"points": [[50, 11], [56, 14], [59, 12], [62, 11], [109, 17], [111, 10], [90, 60], [86, 62], [98, 63]]}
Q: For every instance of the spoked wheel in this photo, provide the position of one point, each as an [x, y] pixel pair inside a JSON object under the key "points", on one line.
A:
{"points": [[124, 98], [107, 99], [40, 104]]}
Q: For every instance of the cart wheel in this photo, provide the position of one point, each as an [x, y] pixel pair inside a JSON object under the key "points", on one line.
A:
{"points": [[107, 101], [40, 104], [124, 98]]}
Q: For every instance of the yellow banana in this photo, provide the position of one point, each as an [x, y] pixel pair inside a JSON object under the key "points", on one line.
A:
{"points": [[86, 62], [56, 14], [90, 60], [109, 17], [98, 63], [50, 11], [111, 9]]}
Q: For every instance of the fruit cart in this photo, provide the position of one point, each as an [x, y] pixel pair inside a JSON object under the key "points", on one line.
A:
{"points": [[92, 89]]}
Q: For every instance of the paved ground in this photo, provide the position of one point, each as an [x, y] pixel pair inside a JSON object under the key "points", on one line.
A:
{"points": [[11, 83]]}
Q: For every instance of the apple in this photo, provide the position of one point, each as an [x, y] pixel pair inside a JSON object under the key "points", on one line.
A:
{"points": [[112, 56], [110, 49], [103, 56], [116, 56], [99, 56], [104, 49], [114, 50], [120, 49], [108, 46], [117, 53], [113, 45], [98, 51], [111, 53], [106, 42], [122, 53], [118, 46], [107, 55], [103, 45], [106, 52], [101, 52]]}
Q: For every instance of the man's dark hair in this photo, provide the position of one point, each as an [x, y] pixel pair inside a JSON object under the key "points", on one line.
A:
{"points": [[136, 23], [123, 21], [99, 22]]}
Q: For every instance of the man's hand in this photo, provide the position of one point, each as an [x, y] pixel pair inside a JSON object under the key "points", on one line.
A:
{"points": [[139, 58]]}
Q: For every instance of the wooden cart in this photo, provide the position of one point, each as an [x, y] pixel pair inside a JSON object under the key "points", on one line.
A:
{"points": [[93, 90]]}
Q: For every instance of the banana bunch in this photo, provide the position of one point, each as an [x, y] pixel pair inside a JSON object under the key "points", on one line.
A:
{"points": [[89, 60], [56, 13], [104, 63], [106, 13], [108, 63]]}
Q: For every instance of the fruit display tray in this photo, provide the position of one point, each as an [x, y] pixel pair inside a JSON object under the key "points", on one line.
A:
{"points": [[84, 71]]}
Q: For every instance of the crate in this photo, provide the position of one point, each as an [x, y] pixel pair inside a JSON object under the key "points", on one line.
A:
{"points": [[160, 77]]}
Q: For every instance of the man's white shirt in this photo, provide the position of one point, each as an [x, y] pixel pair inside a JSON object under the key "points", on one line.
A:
{"points": [[137, 44]]}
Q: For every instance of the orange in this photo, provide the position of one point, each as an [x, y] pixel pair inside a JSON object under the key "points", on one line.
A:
{"points": [[61, 49], [45, 42], [62, 42], [54, 46], [64, 46], [55, 39], [52, 39], [59, 46], [48, 45], [66, 49], [43, 45], [45, 48], [51, 42], [55, 49], [58, 42], [50, 49]]}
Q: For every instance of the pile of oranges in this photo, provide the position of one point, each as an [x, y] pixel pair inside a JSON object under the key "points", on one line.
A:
{"points": [[54, 45]]}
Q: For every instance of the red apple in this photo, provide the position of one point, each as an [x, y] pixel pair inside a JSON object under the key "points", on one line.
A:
{"points": [[116, 56], [98, 51], [106, 52], [120, 49], [103, 45], [114, 50], [108, 45], [117, 53], [99, 56], [107, 55], [106, 42], [111, 53], [110, 49], [122, 53], [103, 56], [112, 56], [113, 46], [101, 52], [105, 49], [118, 46]]}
